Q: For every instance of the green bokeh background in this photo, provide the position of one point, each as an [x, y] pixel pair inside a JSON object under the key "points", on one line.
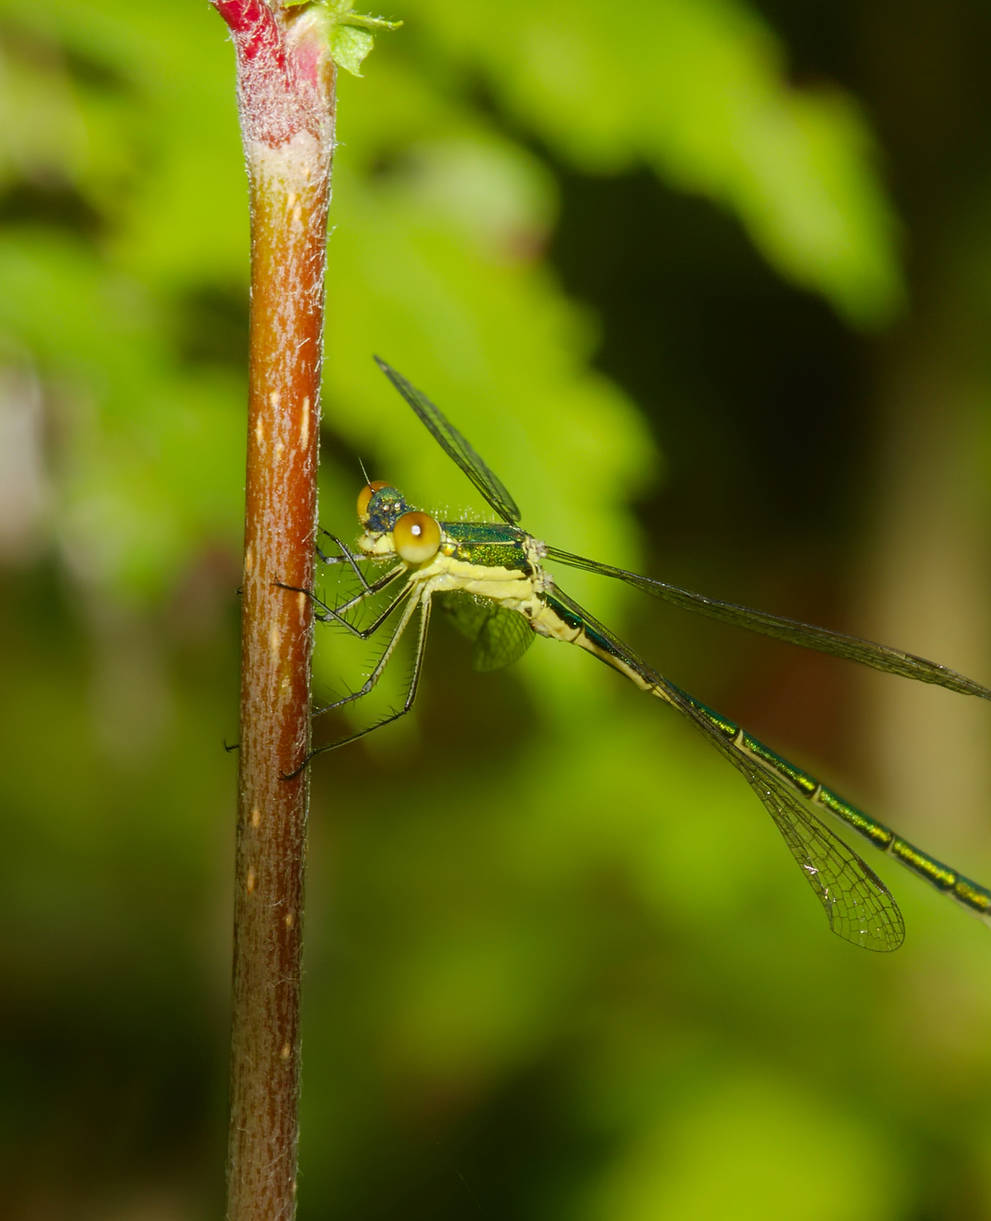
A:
{"points": [[709, 285]]}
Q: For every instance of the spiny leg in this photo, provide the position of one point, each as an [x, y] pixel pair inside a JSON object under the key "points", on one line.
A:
{"points": [[345, 551], [347, 556], [387, 652], [369, 590], [334, 614], [421, 641]]}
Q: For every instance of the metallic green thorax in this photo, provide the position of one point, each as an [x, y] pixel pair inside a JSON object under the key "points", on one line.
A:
{"points": [[487, 544]]}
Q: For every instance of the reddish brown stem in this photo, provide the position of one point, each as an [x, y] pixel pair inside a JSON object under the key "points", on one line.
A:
{"points": [[254, 28], [286, 100]]}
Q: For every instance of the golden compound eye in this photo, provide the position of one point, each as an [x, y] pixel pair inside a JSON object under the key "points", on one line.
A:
{"points": [[416, 537], [366, 494]]}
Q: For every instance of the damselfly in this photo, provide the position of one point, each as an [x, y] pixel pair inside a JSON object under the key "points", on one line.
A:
{"points": [[505, 596]]}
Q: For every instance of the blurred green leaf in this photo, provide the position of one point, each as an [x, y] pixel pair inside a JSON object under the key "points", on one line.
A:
{"points": [[698, 89]]}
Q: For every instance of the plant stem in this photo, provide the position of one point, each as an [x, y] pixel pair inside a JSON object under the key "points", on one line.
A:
{"points": [[286, 103]]}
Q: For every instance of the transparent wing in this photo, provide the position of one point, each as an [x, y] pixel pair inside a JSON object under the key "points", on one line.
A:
{"points": [[858, 905], [866, 652], [455, 445], [500, 636]]}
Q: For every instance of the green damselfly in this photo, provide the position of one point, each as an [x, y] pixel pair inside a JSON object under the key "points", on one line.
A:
{"points": [[506, 596]]}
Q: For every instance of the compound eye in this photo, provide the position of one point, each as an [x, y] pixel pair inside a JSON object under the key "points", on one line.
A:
{"points": [[416, 537], [365, 497]]}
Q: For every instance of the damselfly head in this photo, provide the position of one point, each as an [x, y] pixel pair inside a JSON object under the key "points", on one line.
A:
{"points": [[380, 506]]}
